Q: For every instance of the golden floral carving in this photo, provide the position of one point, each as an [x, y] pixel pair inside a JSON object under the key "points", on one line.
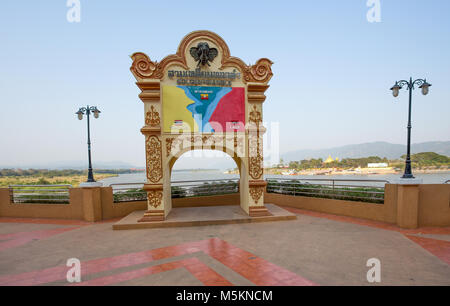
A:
{"points": [[154, 198], [174, 145], [196, 140], [260, 72], [238, 144], [154, 159], [256, 193], [169, 143], [255, 116], [256, 168], [254, 145], [152, 117], [144, 68], [206, 139]]}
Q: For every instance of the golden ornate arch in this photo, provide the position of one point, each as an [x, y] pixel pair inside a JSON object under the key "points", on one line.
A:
{"points": [[152, 76]]}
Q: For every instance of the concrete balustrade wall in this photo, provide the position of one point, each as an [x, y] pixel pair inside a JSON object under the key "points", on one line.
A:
{"points": [[434, 205], [95, 204], [408, 206], [73, 210], [112, 210], [379, 212]]}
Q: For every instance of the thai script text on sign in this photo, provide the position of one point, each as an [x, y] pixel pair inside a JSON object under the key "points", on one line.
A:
{"points": [[197, 77]]}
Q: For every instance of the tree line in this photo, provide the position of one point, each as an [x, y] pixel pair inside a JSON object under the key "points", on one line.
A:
{"points": [[425, 159], [55, 173]]}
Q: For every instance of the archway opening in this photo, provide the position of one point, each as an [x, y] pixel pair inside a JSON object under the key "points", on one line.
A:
{"points": [[204, 178]]}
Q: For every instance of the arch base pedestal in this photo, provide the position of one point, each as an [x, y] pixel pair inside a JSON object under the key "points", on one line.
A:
{"points": [[259, 211], [203, 216], [152, 216]]}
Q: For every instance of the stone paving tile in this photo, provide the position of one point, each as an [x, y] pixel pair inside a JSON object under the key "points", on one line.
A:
{"points": [[176, 277], [370, 223], [260, 273], [438, 248], [202, 272], [13, 240], [229, 274], [315, 248], [46, 221], [13, 228], [434, 236]]}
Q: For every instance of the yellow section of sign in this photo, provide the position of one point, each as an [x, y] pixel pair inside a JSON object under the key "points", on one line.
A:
{"points": [[175, 104]]}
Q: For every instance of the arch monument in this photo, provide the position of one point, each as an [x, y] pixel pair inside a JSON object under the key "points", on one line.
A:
{"points": [[201, 97]]}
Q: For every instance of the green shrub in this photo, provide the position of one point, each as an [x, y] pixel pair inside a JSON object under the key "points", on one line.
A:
{"points": [[295, 188]]}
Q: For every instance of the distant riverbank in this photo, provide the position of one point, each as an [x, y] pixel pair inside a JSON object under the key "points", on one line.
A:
{"points": [[356, 171], [73, 180], [428, 178]]}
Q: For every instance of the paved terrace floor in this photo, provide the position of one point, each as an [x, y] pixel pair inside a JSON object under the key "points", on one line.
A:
{"points": [[315, 249]]}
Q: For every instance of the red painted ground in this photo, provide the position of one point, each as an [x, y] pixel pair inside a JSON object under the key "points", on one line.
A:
{"points": [[255, 269]]}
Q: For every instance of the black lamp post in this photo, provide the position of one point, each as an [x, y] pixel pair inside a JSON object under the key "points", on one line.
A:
{"points": [[410, 86], [87, 110]]}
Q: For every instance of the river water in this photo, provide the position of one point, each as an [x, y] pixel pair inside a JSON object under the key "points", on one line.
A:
{"points": [[434, 178]]}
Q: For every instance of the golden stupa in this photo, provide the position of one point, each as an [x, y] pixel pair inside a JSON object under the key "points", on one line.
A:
{"points": [[330, 160]]}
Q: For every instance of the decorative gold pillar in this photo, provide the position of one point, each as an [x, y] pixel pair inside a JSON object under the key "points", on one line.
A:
{"points": [[151, 96], [257, 184]]}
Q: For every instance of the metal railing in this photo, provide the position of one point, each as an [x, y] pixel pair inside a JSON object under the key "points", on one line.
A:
{"points": [[342, 189], [129, 192], [198, 188], [35, 194]]}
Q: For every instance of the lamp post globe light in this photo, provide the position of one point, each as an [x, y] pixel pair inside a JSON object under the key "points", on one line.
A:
{"points": [[87, 111], [410, 86]]}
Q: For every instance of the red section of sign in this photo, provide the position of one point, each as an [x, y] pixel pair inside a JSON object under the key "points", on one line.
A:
{"points": [[230, 111]]}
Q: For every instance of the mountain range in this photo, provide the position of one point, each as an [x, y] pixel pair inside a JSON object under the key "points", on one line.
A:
{"points": [[381, 149], [76, 165]]}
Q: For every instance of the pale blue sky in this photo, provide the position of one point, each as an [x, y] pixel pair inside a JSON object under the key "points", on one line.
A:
{"points": [[332, 70]]}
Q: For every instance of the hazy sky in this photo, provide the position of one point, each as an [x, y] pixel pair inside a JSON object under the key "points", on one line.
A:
{"points": [[332, 70]]}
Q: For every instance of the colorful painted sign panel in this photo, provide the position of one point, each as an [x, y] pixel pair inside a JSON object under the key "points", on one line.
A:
{"points": [[203, 109]]}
